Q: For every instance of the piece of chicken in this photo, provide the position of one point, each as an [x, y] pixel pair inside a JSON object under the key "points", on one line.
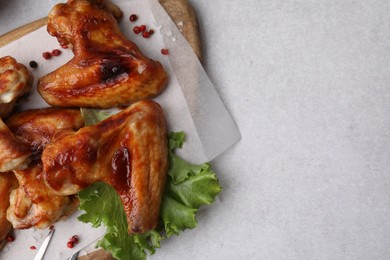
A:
{"points": [[127, 150], [8, 182], [36, 128], [15, 81], [107, 69], [13, 153], [33, 203]]}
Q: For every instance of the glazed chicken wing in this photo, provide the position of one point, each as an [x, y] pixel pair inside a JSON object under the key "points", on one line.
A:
{"points": [[128, 150], [15, 81], [36, 128], [13, 153], [107, 70], [33, 203], [7, 184]]}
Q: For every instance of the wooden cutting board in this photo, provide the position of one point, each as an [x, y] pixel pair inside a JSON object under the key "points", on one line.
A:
{"points": [[181, 13], [179, 10]]}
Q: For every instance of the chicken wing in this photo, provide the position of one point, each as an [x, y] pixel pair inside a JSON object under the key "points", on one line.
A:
{"points": [[107, 69], [33, 203], [7, 184], [13, 153], [36, 128], [15, 81], [128, 150]]}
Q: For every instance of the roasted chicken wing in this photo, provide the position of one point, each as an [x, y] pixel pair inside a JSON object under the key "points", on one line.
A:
{"points": [[128, 150], [7, 184], [13, 153], [33, 203], [15, 81], [107, 70], [36, 128]]}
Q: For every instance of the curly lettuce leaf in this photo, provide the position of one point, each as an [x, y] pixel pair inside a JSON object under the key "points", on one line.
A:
{"points": [[188, 187], [103, 206]]}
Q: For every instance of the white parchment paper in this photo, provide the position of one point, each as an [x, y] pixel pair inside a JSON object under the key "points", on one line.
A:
{"points": [[190, 102]]}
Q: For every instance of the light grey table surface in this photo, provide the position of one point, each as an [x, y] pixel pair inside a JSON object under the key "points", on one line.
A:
{"points": [[308, 84]]}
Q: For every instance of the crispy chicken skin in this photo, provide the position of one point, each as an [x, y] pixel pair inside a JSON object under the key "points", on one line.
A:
{"points": [[36, 128], [127, 150], [13, 153], [33, 203], [107, 69], [7, 184], [15, 81]]}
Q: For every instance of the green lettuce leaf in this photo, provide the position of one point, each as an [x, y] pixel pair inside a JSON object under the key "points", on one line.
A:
{"points": [[188, 187], [102, 205], [93, 116]]}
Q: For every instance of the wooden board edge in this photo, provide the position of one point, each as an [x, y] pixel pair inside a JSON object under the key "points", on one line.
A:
{"points": [[184, 16], [21, 31]]}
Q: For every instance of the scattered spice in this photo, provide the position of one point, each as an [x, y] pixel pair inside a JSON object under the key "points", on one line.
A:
{"points": [[133, 18], [136, 30], [46, 55], [33, 247], [142, 28], [56, 52], [165, 51], [146, 34], [70, 244], [10, 238], [74, 239], [33, 64]]}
